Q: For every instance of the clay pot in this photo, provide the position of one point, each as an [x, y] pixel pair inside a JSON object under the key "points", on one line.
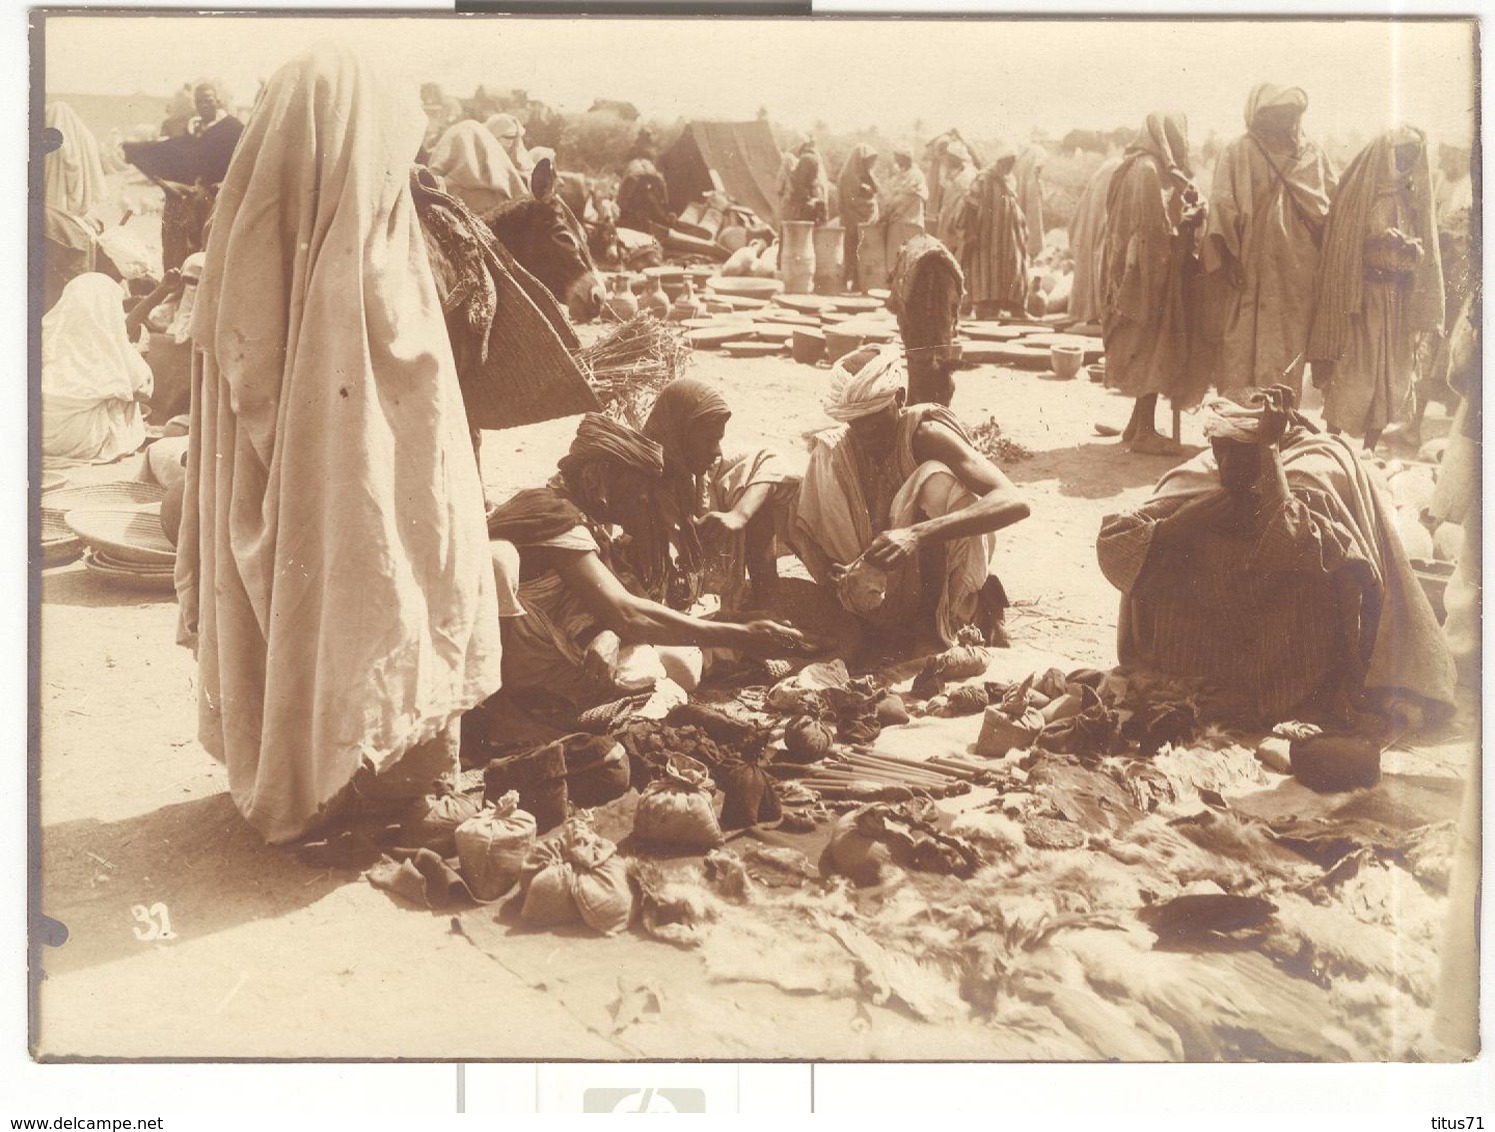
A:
{"points": [[1066, 361], [838, 344], [829, 253], [797, 256], [622, 304], [808, 345]]}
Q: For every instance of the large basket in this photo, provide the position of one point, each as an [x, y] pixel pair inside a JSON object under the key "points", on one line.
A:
{"points": [[127, 575], [125, 536]]}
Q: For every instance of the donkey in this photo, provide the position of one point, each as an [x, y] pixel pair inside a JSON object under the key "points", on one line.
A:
{"points": [[547, 239]]}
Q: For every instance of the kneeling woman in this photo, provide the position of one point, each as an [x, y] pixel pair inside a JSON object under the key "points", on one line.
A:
{"points": [[578, 625]]}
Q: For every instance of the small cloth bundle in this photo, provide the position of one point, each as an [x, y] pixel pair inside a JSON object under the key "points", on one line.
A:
{"points": [[1095, 731], [1011, 724], [800, 691], [963, 699], [749, 795], [863, 587], [597, 769], [808, 739], [599, 878], [493, 847], [431, 822], [963, 660], [547, 896], [578, 875], [674, 811], [870, 839], [855, 708]]}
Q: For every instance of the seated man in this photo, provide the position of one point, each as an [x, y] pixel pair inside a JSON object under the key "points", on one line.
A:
{"points": [[575, 623], [1272, 568], [897, 511]]}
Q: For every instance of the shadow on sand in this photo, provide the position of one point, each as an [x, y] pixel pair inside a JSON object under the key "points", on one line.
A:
{"points": [[1095, 469], [199, 858]]}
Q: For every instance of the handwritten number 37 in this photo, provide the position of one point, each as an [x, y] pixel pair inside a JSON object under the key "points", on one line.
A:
{"points": [[154, 922]]}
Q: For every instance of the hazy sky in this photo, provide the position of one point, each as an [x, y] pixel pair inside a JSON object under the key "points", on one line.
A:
{"points": [[984, 77]]}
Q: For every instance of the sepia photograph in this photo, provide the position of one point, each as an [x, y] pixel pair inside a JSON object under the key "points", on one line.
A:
{"points": [[819, 539]]}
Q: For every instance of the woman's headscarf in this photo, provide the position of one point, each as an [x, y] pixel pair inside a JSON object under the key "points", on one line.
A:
{"points": [[1262, 422], [88, 362], [682, 405], [73, 175], [472, 162], [510, 134], [1342, 268], [86, 353]]}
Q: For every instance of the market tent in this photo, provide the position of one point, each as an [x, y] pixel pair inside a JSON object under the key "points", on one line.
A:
{"points": [[743, 155]]}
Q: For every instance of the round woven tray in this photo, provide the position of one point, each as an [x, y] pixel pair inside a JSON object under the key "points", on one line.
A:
{"points": [[804, 304], [712, 337], [127, 576], [122, 496], [126, 536], [755, 349], [990, 332], [745, 287]]}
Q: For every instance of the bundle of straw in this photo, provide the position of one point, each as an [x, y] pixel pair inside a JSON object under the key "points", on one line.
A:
{"points": [[628, 368]]}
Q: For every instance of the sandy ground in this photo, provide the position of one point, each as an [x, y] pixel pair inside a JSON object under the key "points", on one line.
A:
{"points": [[273, 958]]}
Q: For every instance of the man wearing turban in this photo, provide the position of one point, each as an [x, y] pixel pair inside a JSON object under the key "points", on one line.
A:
{"points": [[576, 619], [898, 511], [1268, 209], [1271, 568]]}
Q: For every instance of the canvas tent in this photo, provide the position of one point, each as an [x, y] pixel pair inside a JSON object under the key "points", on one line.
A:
{"points": [[743, 155]]}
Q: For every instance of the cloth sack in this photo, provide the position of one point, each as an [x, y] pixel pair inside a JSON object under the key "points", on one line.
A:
{"points": [[493, 847], [675, 809]]}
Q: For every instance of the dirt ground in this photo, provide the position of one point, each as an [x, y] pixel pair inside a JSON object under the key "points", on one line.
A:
{"points": [[270, 957]]}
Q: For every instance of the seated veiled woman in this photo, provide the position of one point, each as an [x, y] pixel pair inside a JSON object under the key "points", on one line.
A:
{"points": [[95, 383], [576, 622], [729, 507]]}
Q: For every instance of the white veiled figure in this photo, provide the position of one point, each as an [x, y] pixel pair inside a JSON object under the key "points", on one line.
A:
{"points": [[93, 378], [333, 566]]}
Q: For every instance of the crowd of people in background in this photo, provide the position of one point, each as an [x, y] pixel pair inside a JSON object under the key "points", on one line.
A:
{"points": [[415, 602]]}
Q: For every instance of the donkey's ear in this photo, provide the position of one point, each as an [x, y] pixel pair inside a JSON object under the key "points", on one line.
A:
{"points": [[542, 180]]}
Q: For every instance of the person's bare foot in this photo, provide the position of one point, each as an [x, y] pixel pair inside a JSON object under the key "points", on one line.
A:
{"points": [[1156, 444]]}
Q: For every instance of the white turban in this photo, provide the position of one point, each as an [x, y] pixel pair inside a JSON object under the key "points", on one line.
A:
{"points": [[1225, 419], [871, 389]]}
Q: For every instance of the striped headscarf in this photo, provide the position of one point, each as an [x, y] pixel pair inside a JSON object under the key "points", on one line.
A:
{"points": [[590, 470]]}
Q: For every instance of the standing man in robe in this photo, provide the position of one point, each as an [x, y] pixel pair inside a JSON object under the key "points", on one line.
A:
{"points": [[1087, 233], [1028, 175], [1380, 286], [1267, 213], [994, 240], [906, 191], [1153, 214]]}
